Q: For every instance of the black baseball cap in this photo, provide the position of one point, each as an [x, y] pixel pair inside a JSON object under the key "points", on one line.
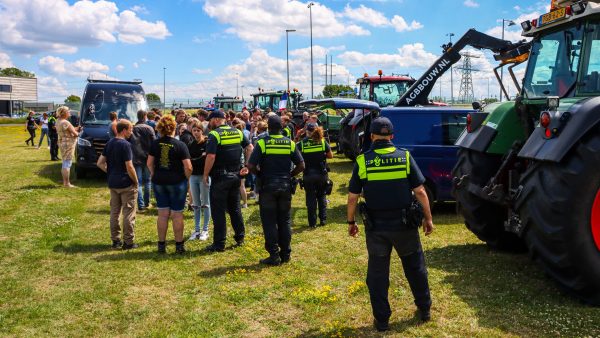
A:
{"points": [[382, 126], [216, 114], [274, 122], [311, 126]]}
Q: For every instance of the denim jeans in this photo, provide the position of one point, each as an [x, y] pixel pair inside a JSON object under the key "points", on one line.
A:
{"points": [[201, 201], [44, 132], [143, 174]]}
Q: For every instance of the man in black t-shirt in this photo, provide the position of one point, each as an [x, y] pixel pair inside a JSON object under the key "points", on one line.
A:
{"points": [[141, 140], [224, 165], [117, 161]]}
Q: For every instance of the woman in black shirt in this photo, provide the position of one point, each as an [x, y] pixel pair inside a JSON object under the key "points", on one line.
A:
{"points": [[170, 166], [200, 190], [315, 151], [31, 126]]}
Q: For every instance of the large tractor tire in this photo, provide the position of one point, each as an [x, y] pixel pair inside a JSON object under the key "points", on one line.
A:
{"points": [[484, 218], [560, 209]]}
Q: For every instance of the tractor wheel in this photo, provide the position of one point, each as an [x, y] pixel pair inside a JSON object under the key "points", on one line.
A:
{"points": [[484, 218], [559, 207]]}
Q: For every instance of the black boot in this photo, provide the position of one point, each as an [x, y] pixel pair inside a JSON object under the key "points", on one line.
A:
{"points": [[273, 260], [179, 247], [381, 326], [162, 247], [425, 315]]}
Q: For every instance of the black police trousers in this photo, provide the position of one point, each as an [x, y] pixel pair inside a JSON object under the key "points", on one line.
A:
{"points": [[275, 214], [314, 187], [53, 147], [379, 246], [225, 197]]}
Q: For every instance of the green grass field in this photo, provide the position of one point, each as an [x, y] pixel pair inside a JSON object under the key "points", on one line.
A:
{"points": [[59, 277]]}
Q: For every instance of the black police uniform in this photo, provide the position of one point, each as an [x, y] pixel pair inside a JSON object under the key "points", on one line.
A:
{"points": [[227, 143], [315, 178], [274, 156], [386, 175], [53, 136]]}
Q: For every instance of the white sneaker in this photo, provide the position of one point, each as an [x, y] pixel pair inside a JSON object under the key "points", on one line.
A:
{"points": [[194, 235], [244, 206], [203, 235]]}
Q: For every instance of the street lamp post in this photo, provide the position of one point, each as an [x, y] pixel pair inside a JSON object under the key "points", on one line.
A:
{"points": [[450, 35], [312, 91], [510, 23], [164, 88], [237, 87], [287, 55]]}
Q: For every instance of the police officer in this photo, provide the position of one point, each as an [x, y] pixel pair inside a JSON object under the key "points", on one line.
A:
{"points": [[224, 165], [315, 151], [272, 160], [53, 136], [386, 175]]}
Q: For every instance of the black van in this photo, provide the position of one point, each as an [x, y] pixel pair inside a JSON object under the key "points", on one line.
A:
{"points": [[99, 99]]}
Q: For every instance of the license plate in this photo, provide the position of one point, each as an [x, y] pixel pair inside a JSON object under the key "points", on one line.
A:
{"points": [[553, 16]]}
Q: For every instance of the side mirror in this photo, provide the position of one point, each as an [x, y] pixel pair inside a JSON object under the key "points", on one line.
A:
{"points": [[476, 105]]}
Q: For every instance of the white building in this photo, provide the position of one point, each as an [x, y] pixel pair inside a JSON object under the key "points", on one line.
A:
{"points": [[15, 90]]}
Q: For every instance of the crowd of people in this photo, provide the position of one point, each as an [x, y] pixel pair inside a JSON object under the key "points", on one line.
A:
{"points": [[167, 155], [206, 162]]}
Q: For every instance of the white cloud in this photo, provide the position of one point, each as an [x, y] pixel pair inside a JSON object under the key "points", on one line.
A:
{"points": [[120, 68], [140, 9], [262, 70], [136, 65], [366, 15], [471, 3], [201, 71], [134, 30], [5, 61], [51, 87], [400, 24], [377, 19], [81, 68], [266, 21], [32, 26], [408, 56]]}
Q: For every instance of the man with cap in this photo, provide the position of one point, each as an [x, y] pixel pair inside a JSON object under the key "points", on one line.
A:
{"points": [[271, 161], [224, 165], [387, 177]]}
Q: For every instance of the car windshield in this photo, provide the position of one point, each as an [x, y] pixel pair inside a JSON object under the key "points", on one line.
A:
{"points": [[553, 62], [388, 93], [98, 104]]}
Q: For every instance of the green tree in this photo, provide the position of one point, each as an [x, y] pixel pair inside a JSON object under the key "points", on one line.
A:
{"points": [[152, 97], [15, 72], [335, 90], [72, 98]]}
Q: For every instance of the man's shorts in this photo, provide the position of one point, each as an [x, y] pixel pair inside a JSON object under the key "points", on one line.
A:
{"points": [[171, 196], [66, 164]]}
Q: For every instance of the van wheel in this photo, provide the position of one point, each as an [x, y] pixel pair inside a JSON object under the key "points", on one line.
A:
{"points": [[80, 173]]}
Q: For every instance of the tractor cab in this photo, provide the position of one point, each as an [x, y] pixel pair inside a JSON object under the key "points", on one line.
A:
{"points": [[385, 90], [228, 103]]}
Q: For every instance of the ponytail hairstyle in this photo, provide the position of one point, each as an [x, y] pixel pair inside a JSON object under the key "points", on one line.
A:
{"points": [[317, 135]]}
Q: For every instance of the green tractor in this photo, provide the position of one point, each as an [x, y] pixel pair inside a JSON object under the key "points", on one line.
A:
{"points": [[228, 103], [528, 173]]}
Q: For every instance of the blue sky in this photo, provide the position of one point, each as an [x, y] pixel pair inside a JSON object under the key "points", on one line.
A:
{"points": [[207, 45]]}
